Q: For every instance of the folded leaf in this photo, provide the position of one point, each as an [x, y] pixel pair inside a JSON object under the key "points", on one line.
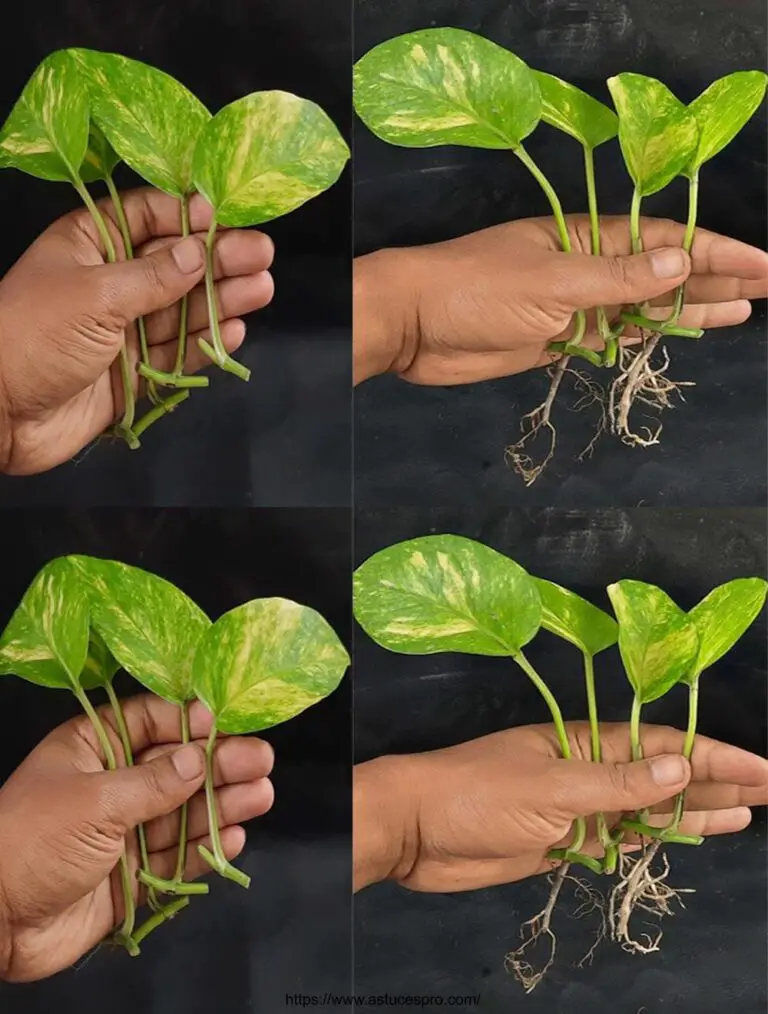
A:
{"points": [[46, 134], [446, 593], [722, 110], [46, 641], [151, 120], [658, 135], [149, 625], [100, 666], [575, 112], [446, 86], [100, 158], [657, 641], [575, 619], [724, 616], [266, 662], [265, 155]]}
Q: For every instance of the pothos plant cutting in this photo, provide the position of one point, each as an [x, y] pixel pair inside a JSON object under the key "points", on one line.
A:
{"points": [[447, 593], [260, 157], [260, 664], [447, 86]]}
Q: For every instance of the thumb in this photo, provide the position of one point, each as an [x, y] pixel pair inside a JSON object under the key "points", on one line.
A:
{"points": [[593, 788], [612, 281], [131, 289], [135, 795]]}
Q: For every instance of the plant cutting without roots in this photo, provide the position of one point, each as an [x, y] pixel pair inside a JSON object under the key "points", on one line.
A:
{"points": [[447, 86], [447, 593], [261, 664]]}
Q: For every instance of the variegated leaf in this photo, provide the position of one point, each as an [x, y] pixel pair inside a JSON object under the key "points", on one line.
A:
{"points": [[446, 593], [100, 158], [724, 616], [100, 666], [46, 641], [723, 109], [149, 625], [46, 134], [265, 155], [658, 135], [575, 112], [657, 641], [575, 619], [446, 86], [151, 120], [266, 662]]}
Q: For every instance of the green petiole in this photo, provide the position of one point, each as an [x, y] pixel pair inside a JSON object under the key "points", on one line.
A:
{"points": [[216, 858], [609, 337], [216, 351], [688, 238], [610, 847]]}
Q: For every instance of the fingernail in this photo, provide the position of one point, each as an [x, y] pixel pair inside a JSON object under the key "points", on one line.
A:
{"points": [[188, 255], [188, 762], [669, 263], [669, 770]]}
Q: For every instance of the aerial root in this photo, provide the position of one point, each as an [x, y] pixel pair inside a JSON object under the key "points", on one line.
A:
{"points": [[639, 381], [532, 424], [591, 901], [532, 930]]}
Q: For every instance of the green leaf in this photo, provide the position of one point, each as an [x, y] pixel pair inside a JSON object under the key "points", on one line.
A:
{"points": [[100, 158], [722, 110], [446, 86], [46, 641], [446, 593], [724, 616], [150, 626], [575, 112], [575, 619], [265, 155], [658, 135], [151, 120], [266, 662], [657, 641], [46, 134], [100, 666]]}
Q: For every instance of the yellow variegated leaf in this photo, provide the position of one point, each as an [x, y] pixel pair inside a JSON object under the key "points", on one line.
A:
{"points": [[723, 109], [100, 158], [724, 616], [575, 619], [575, 112]]}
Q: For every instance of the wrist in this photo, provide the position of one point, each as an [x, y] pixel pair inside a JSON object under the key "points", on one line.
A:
{"points": [[386, 826], [386, 312]]}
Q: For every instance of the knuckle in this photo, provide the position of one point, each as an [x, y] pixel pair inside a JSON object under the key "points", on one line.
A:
{"points": [[619, 271], [619, 779]]}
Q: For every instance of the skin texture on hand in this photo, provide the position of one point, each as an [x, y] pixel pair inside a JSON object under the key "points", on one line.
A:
{"points": [[488, 811], [65, 313], [64, 821], [489, 304]]}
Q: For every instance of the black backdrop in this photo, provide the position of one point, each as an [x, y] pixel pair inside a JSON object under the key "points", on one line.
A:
{"points": [[236, 950], [714, 954], [234, 444], [445, 445]]}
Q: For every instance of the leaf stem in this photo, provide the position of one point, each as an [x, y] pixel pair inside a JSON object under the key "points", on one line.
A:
{"points": [[158, 411], [688, 238], [604, 835], [181, 861], [125, 427], [216, 859], [216, 351], [634, 222], [580, 317], [690, 739], [610, 339], [634, 729], [181, 352]]}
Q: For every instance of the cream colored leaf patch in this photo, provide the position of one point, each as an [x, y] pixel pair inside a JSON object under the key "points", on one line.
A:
{"points": [[573, 111], [265, 155], [265, 662], [446, 86], [723, 110]]}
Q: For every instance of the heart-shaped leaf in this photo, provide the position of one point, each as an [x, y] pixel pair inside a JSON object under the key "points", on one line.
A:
{"points": [[100, 666], [151, 120], [100, 158], [266, 662], [265, 155], [446, 593], [46, 641], [46, 134], [575, 619], [149, 625], [446, 86], [657, 640], [722, 110], [575, 112], [657, 133], [724, 616]]}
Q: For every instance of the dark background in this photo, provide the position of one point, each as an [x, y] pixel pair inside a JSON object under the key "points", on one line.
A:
{"points": [[713, 955], [284, 439], [446, 445], [234, 950]]}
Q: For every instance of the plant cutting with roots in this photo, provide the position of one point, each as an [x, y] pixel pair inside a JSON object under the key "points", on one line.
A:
{"points": [[447, 86], [447, 593]]}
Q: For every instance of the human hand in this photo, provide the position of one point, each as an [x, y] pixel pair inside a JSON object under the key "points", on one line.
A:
{"points": [[490, 304], [487, 812], [65, 313], [64, 822]]}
